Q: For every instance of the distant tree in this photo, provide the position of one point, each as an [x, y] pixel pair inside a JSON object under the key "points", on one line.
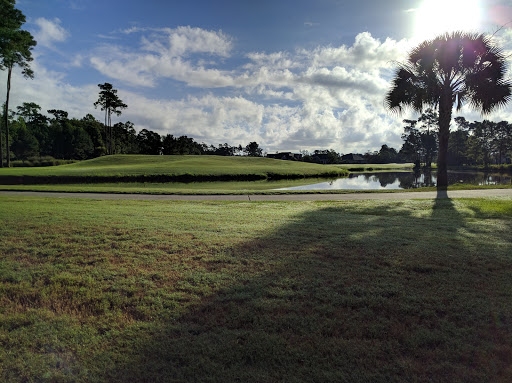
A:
{"points": [[387, 155], [37, 125], [61, 137], [333, 157], [24, 144], [307, 158], [82, 144], [412, 149], [94, 128], [203, 148], [169, 145], [111, 104], [187, 145], [59, 115], [428, 123], [502, 140], [29, 111], [225, 150], [462, 123], [69, 140], [253, 150], [15, 49], [125, 138], [454, 68], [483, 134], [149, 142]]}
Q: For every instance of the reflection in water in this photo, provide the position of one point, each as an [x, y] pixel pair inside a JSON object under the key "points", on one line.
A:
{"points": [[406, 180]]}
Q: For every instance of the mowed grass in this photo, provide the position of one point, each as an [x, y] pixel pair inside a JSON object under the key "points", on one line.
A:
{"points": [[193, 166], [140, 291]]}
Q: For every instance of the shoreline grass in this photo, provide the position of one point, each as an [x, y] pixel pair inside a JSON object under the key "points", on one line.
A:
{"points": [[381, 291]]}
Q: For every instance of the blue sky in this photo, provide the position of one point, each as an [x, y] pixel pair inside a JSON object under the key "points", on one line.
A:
{"points": [[291, 75]]}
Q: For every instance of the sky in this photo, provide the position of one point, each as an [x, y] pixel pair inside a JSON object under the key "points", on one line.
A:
{"points": [[291, 75]]}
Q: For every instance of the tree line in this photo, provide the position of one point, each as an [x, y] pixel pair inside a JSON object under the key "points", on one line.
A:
{"points": [[33, 135], [471, 143]]}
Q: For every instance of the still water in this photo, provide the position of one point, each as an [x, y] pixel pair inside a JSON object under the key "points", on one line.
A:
{"points": [[405, 180]]}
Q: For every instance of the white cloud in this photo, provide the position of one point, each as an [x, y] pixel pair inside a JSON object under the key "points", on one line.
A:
{"points": [[164, 55], [50, 90], [50, 32], [276, 60], [366, 53], [183, 40], [77, 61]]}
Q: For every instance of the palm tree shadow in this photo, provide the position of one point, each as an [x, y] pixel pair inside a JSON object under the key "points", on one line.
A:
{"points": [[340, 293], [443, 204]]}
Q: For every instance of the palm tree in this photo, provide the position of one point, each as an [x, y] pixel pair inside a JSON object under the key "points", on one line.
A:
{"points": [[452, 69]]}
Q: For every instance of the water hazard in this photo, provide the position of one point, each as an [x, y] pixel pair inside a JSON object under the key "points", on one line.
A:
{"points": [[405, 180]]}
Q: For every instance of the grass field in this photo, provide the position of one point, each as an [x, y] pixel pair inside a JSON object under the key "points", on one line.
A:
{"points": [[139, 291], [130, 167]]}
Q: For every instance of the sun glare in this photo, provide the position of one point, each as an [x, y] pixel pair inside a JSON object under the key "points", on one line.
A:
{"points": [[435, 17]]}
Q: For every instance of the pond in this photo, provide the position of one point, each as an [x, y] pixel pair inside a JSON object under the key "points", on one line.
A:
{"points": [[405, 180]]}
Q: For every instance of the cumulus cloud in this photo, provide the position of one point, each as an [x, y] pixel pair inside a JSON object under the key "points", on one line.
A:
{"points": [[164, 54], [284, 100], [366, 53], [276, 60], [50, 90], [50, 32]]}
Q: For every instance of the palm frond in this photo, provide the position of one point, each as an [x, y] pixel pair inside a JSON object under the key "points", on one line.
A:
{"points": [[468, 63]]}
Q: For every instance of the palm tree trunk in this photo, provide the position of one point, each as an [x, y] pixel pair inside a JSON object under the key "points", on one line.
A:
{"points": [[6, 117], [445, 116]]}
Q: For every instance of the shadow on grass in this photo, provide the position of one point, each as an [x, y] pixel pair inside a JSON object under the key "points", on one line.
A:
{"points": [[346, 294]]}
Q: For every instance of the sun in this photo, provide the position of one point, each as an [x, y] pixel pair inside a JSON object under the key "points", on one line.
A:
{"points": [[435, 17]]}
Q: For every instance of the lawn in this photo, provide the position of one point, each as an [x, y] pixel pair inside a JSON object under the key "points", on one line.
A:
{"points": [[159, 291], [134, 167]]}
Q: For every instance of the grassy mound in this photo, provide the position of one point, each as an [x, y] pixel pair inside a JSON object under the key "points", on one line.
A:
{"points": [[142, 168]]}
